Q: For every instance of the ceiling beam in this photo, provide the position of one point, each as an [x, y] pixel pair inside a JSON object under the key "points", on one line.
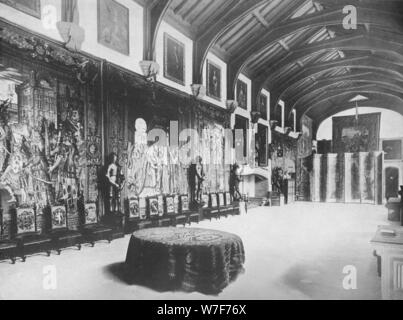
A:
{"points": [[153, 15], [347, 94], [324, 85], [334, 16], [345, 43]]}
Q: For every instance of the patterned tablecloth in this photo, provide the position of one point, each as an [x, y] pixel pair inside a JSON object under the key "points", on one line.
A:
{"points": [[186, 259]]}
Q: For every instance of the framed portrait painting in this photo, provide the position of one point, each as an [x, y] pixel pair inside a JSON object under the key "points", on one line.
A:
{"points": [[31, 7], [174, 59], [213, 80], [25, 220], [113, 26], [392, 149], [242, 94]]}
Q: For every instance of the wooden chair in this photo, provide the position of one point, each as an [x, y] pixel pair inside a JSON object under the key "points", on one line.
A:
{"points": [[61, 235], [8, 248], [29, 240], [93, 231]]}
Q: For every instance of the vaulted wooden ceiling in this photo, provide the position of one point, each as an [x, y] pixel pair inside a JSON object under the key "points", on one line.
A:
{"points": [[298, 49]]}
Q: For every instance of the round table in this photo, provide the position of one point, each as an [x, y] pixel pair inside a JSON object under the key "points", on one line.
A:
{"points": [[187, 259]]}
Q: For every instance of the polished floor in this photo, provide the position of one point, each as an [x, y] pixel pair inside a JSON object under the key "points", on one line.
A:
{"points": [[293, 252]]}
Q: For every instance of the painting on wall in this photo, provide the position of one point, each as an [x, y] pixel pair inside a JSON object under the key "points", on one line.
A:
{"points": [[174, 59], [213, 80], [31, 7], [305, 142], [59, 217], [392, 149], [91, 216], [263, 106], [351, 135], [25, 220], [113, 26], [242, 94]]}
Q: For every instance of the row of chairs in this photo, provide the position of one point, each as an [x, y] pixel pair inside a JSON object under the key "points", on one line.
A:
{"points": [[30, 239], [29, 243]]}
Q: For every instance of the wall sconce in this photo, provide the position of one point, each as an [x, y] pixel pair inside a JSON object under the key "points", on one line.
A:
{"points": [[255, 116], [198, 90], [287, 130], [295, 135], [273, 124], [232, 105], [150, 69]]}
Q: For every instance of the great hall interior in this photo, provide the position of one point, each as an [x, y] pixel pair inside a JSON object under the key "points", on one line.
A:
{"points": [[199, 149]]}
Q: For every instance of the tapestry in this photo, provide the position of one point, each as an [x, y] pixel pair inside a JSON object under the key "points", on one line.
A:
{"points": [[347, 178], [352, 135], [305, 141]]}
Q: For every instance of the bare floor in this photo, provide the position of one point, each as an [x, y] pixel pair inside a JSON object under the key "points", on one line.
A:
{"points": [[293, 252]]}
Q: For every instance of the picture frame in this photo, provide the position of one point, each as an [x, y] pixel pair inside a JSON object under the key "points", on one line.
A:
{"points": [[114, 26], [213, 200], [174, 60], [392, 149], [213, 77], [30, 7], [242, 94], [134, 208], [26, 221], [153, 206], [58, 217], [90, 211], [263, 106], [143, 208]]}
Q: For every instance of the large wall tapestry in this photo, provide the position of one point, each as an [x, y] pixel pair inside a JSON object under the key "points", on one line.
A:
{"points": [[349, 178], [113, 26], [350, 135], [31, 7]]}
